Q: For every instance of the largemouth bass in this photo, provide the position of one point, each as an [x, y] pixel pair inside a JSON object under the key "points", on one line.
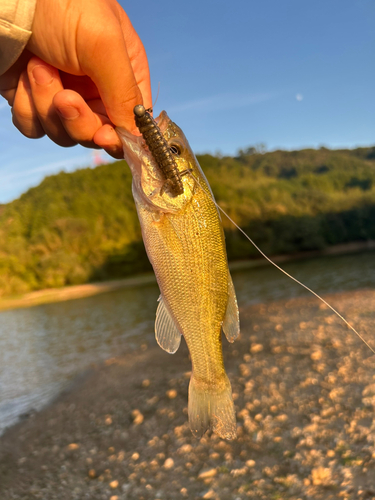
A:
{"points": [[184, 240]]}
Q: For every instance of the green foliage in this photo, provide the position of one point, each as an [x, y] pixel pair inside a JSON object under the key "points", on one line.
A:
{"points": [[79, 227]]}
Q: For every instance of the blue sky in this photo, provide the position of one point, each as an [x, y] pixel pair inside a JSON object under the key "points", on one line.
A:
{"points": [[289, 74]]}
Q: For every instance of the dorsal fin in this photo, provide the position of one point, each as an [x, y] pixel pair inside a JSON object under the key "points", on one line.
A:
{"points": [[231, 323], [166, 332]]}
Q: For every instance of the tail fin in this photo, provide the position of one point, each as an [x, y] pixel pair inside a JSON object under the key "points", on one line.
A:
{"points": [[211, 407]]}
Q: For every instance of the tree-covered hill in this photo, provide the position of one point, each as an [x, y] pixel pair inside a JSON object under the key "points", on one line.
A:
{"points": [[82, 226]]}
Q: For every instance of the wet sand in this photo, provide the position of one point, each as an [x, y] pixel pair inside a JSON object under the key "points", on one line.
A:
{"points": [[304, 390]]}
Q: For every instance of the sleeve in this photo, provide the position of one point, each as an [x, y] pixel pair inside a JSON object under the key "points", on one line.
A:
{"points": [[16, 19]]}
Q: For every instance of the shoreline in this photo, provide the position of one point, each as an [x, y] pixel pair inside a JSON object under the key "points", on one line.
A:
{"points": [[51, 295]]}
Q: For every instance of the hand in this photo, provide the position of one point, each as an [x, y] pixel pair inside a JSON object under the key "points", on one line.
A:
{"points": [[82, 72]]}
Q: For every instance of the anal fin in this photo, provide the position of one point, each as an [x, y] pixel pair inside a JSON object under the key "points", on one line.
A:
{"points": [[231, 323], [166, 332]]}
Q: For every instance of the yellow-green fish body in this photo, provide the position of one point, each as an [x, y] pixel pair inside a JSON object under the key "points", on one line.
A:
{"points": [[185, 243]]}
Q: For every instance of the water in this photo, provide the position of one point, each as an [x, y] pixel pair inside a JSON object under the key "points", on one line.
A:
{"points": [[43, 348]]}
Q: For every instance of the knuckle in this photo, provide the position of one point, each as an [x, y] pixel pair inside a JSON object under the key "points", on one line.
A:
{"points": [[22, 111], [31, 130], [22, 115]]}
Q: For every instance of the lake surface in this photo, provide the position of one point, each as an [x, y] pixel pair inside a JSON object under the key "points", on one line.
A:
{"points": [[43, 348]]}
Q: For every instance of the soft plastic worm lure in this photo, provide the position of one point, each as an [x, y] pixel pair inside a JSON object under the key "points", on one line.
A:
{"points": [[160, 150]]}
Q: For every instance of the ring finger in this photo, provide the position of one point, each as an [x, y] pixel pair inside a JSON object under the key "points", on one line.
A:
{"points": [[25, 116]]}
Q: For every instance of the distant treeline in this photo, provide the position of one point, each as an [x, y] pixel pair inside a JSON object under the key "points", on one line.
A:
{"points": [[82, 226]]}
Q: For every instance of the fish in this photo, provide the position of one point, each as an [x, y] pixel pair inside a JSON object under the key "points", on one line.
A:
{"points": [[185, 243]]}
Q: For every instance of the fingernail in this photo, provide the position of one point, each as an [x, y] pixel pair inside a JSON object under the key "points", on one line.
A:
{"points": [[68, 112], [42, 75]]}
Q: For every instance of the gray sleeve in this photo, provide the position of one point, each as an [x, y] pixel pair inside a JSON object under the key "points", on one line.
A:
{"points": [[16, 19]]}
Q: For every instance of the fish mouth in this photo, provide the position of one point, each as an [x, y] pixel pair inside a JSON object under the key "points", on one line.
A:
{"points": [[163, 121], [148, 177]]}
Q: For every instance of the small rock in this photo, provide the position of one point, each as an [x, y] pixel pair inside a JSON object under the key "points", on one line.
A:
{"points": [[179, 430], [245, 370], [113, 497], [238, 472], [209, 494], [137, 417], [250, 463], [108, 420], [206, 474], [282, 418], [135, 456], [73, 446], [256, 348], [113, 484], [172, 393], [92, 473], [185, 448], [316, 356], [145, 383], [330, 319], [321, 476], [168, 464], [153, 400]]}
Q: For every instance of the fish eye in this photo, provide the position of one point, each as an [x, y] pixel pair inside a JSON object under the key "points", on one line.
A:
{"points": [[175, 149]]}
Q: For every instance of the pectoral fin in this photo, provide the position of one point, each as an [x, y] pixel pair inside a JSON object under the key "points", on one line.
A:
{"points": [[231, 323], [166, 333]]}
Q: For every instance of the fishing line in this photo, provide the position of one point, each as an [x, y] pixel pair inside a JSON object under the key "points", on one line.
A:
{"points": [[282, 270], [156, 100]]}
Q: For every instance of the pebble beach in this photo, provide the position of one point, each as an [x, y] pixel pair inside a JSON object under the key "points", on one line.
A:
{"points": [[304, 391]]}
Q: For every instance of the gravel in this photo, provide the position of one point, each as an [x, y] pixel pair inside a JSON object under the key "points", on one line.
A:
{"points": [[304, 391]]}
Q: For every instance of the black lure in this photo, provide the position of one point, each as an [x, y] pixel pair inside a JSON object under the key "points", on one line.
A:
{"points": [[159, 149]]}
